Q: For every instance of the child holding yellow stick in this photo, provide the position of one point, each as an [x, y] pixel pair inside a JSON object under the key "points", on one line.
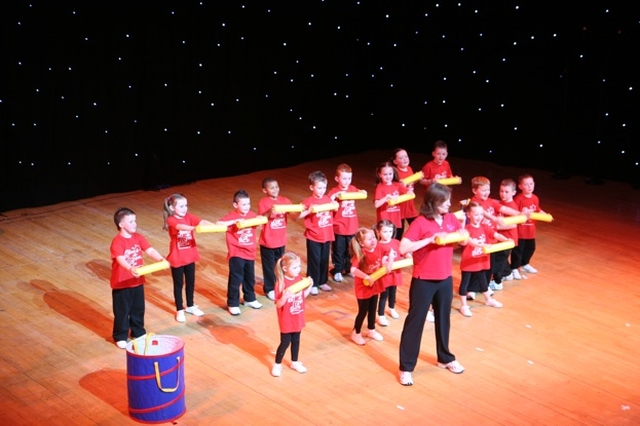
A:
{"points": [[290, 309]]}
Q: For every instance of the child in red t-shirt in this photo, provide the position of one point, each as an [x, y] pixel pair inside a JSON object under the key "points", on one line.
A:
{"points": [[388, 189], [290, 309], [345, 223], [407, 209], [390, 248], [474, 262], [367, 258], [527, 201], [241, 246], [183, 252], [439, 167]]}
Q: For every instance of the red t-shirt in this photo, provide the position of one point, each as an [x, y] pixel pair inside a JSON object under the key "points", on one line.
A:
{"points": [[474, 259], [318, 226], [433, 261], [408, 208], [132, 249], [182, 247], [240, 242], [373, 262], [385, 211], [291, 314], [491, 206], [345, 219], [527, 230], [274, 232], [513, 232], [395, 277], [431, 170]]}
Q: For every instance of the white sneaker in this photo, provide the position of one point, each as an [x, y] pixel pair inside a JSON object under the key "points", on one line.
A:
{"points": [[314, 291], [516, 274], [453, 366], [471, 295], [495, 286], [276, 370], [375, 335], [393, 314], [466, 311], [325, 287], [255, 304], [382, 320], [530, 269], [271, 295], [194, 310], [357, 338], [405, 378], [430, 316], [508, 277], [180, 317], [121, 344], [234, 310], [493, 303], [297, 365], [338, 277]]}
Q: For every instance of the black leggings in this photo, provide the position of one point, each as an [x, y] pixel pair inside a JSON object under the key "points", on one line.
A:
{"points": [[366, 308], [285, 340]]}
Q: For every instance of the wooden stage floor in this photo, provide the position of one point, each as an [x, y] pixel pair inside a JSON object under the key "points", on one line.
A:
{"points": [[562, 351]]}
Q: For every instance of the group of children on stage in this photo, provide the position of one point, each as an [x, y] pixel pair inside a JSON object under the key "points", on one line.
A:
{"points": [[332, 232]]}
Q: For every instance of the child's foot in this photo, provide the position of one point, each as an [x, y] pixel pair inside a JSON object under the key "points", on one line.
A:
{"points": [[516, 274], [255, 304], [271, 295], [357, 338], [276, 370], [405, 378], [393, 314], [453, 366], [234, 310], [375, 335], [325, 287], [430, 316], [194, 310], [495, 286], [180, 317], [338, 277], [471, 295], [530, 269], [121, 344], [466, 311], [493, 303], [314, 291], [297, 365], [508, 277], [382, 320]]}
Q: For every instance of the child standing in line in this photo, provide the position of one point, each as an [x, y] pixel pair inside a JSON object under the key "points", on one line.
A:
{"points": [[525, 200], [481, 188], [273, 237], [502, 265], [318, 233], [290, 309], [390, 248], [474, 263], [367, 258], [241, 254], [407, 209], [183, 252], [439, 167], [389, 188], [127, 287], [345, 222]]}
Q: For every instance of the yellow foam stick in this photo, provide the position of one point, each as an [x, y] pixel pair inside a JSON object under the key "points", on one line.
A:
{"points": [[211, 228], [543, 217], [503, 245], [402, 263], [459, 214], [352, 195], [453, 237], [402, 198], [317, 208], [300, 285], [412, 178], [376, 275], [456, 180], [154, 267], [249, 223], [288, 208], [514, 220]]}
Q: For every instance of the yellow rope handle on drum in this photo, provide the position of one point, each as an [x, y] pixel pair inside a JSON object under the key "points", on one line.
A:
{"points": [[146, 344], [159, 382]]}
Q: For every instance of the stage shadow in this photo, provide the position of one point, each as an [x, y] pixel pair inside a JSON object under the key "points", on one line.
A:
{"points": [[110, 386]]}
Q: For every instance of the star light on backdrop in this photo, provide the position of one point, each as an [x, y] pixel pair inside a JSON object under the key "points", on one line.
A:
{"points": [[99, 99]]}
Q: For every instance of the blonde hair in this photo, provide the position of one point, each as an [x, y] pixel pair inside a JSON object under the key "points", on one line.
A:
{"points": [[287, 259], [355, 246], [169, 202]]}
